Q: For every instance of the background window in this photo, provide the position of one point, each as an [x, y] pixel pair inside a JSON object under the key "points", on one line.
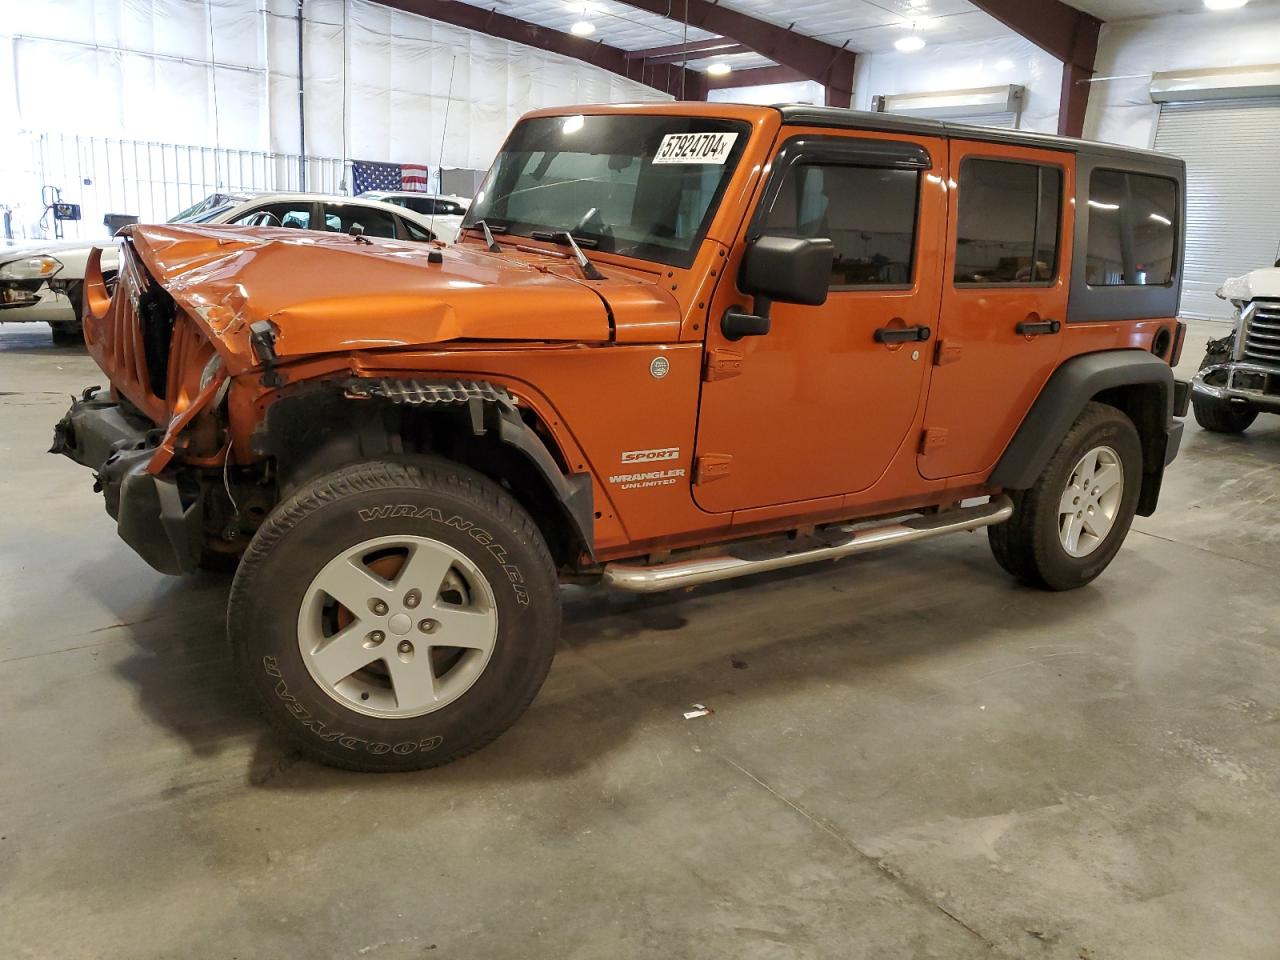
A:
{"points": [[869, 213], [1007, 224], [340, 216], [279, 215], [414, 232], [1132, 229]]}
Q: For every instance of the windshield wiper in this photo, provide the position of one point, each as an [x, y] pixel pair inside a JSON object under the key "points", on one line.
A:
{"points": [[489, 242], [564, 236]]}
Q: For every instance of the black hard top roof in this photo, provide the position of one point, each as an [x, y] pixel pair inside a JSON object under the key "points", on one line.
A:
{"points": [[803, 114]]}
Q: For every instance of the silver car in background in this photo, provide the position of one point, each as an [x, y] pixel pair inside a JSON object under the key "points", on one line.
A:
{"points": [[43, 280]]}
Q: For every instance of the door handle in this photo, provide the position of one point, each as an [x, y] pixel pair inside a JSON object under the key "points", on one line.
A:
{"points": [[1031, 328], [902, 334]]}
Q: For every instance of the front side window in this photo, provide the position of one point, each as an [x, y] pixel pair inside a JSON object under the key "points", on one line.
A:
{"points": [[638, 186], [869, 214], [1132, 229], [1007, 222]]}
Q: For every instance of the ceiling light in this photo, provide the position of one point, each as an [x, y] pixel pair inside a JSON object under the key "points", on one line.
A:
{"points": [[1004, 65], [1225, 4], [1099, 205], [910, 43], [573, 124], [583, 28], [1161, 219], [719, 69]]}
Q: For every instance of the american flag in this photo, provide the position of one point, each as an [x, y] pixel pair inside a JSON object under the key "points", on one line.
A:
{"points": [[367, 175]]}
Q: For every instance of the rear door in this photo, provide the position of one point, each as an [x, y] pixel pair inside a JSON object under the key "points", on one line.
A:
{"points": [[818, 407], [1004, 301]]}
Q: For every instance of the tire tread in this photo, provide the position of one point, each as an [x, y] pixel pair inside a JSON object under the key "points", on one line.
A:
{"points": [[423, 472], [1019, 546]]}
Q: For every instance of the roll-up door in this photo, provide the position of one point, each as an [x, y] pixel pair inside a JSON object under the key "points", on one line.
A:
{"points": [[1232, 150]]}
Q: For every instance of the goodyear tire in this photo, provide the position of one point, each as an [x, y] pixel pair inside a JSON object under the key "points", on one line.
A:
{"points": [[395, 616], [1069, 526]]}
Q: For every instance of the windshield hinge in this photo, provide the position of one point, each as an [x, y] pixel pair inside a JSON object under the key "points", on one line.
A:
{"points": [[722, 364], [262, 338], [711, 466], [932, 440]]}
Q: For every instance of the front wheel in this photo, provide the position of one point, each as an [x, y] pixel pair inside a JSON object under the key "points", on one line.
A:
{"points": [[393, 616], [1068, 527]]}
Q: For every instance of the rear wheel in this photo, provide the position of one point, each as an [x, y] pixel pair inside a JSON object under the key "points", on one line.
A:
{"points": [[395, 617], [1068, 527], [1222, 416]]}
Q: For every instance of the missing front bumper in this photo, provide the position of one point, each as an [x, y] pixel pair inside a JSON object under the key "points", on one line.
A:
{"points": [[149, 511], [1239, 382]]}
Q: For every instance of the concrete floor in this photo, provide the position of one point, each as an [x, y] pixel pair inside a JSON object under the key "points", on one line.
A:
{"points": [[909, 756]]}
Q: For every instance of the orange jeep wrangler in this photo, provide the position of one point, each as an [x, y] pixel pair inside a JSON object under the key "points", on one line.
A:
{"points": [[674, 344]]}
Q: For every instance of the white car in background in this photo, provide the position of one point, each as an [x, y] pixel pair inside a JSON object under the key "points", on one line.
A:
{"points": [[43, 280], [443, 209]]}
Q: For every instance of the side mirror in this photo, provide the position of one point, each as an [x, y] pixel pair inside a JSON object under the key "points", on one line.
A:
{"points": [[785, 269]]}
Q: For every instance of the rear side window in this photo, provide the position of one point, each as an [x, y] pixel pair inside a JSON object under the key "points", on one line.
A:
{"points": [[1133, 229], [868, 212], [1007, 223]]}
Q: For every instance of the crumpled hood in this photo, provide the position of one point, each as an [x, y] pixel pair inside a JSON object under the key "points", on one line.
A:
{"points": [[328, 293], [1259, 283]]}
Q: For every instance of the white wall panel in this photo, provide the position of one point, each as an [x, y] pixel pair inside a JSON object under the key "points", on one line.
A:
{"points": [[1120, 107], [960, 66], [802, 91], [377, 79]]}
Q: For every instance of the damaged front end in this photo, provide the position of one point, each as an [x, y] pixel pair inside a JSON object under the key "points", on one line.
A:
{"points": [[151, 512], [167, 383], [1244, 366]]}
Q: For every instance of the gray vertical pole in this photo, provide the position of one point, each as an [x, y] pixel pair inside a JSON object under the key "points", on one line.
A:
{"points": [[302, 114]]}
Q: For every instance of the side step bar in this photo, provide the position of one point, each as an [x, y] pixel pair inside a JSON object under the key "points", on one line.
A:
{"points": [[744, 559]]}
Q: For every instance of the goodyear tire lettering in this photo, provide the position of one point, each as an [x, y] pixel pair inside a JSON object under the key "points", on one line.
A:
{"points": [[320, 729]]}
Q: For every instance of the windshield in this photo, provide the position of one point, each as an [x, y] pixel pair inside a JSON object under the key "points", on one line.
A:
{"points": [[638, 186]]}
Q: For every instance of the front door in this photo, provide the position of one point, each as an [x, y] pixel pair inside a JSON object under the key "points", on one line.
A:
{"points": [[820, 405], [1004, 302]]}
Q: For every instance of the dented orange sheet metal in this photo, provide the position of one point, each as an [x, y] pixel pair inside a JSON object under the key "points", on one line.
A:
{"points": [[327, 293]]}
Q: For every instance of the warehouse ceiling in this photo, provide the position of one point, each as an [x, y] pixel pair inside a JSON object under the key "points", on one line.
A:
{"points": [[862, 26]]}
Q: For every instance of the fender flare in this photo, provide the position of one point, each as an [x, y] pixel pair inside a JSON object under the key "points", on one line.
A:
{"points": [[1063, 399], [491, 407]]}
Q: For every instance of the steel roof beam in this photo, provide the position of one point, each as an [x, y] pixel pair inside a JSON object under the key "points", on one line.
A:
{"points": [[694, 50], [755, 76], [813, 59], [672, 79], [1064, 32]]}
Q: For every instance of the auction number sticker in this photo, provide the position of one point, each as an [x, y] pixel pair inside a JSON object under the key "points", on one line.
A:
{"points": [[695, 148]]}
